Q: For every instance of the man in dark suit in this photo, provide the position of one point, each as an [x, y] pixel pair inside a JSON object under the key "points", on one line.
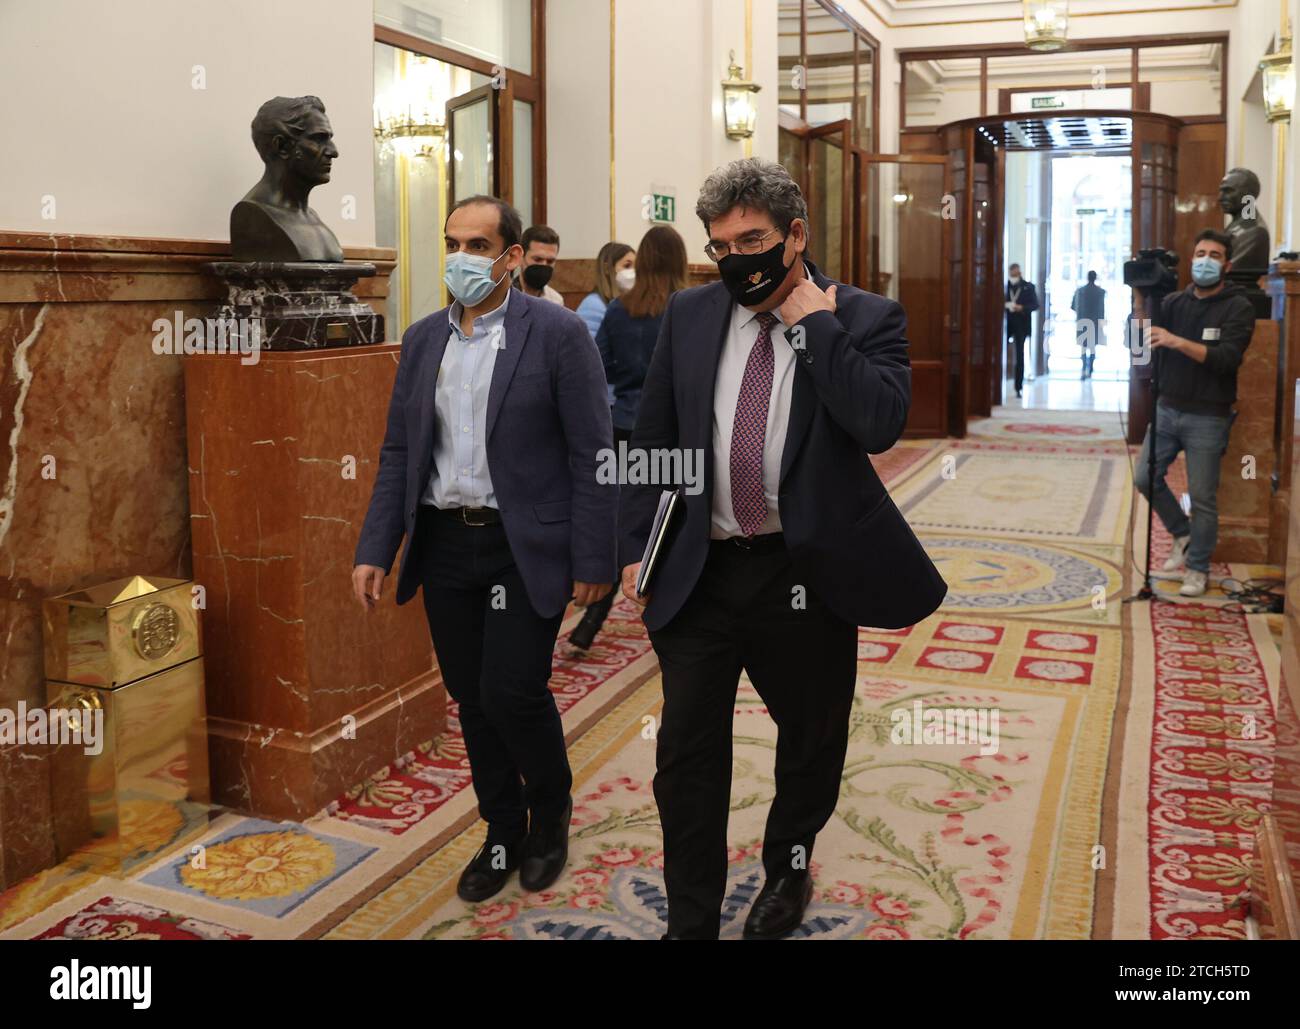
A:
{"points": [[783, 381], [488, 469], [1021, 303], [1089, 307]]}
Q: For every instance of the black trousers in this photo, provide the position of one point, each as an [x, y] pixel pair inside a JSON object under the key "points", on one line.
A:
{"points": [[745, 613], [1018, 357], [495, 654]]}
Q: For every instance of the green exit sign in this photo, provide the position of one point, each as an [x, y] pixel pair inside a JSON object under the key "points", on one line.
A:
{"points": [[664, 207], [1046, 101]]}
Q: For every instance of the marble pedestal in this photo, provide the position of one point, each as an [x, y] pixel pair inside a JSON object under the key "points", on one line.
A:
{"points": [[308, 695], [296, 305]]}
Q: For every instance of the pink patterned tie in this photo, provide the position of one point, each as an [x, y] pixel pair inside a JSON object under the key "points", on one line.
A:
{"points": [[748, 502]]}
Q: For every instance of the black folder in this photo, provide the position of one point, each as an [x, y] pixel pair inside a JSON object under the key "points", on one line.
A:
{"points": [[671, 504]]}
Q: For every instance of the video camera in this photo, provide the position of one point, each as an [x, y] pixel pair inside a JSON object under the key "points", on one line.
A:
{"points": [[1153, 271]]}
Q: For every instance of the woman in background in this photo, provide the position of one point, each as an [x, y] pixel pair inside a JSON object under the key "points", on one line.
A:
{"points": [[615, 273], [626, 339]]}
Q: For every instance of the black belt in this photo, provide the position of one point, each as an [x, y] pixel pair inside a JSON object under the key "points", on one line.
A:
{"points": [[767, 541], [468, 515]]}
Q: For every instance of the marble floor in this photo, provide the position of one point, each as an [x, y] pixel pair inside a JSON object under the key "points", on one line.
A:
{"points": [[1066, 392]]}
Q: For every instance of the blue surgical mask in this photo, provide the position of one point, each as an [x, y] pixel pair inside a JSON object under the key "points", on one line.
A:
{"points": [[469, 277], [1206, 272]]}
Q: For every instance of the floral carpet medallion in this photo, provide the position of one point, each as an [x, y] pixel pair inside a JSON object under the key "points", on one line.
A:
{"points": [[267, 867]]}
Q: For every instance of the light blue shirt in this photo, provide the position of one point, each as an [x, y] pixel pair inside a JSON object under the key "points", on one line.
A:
{"points": [[460, 475], [592, 311]]}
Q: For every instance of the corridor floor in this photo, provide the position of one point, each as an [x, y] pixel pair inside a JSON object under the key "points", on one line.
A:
{"points": [[1038, 759]]}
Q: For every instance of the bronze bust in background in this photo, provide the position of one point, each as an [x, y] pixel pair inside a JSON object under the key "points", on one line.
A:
{"points": [[1250, 243], [273, 222]]}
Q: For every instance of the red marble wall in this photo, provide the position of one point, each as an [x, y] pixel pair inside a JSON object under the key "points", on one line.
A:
{"points": [[93, 481]]}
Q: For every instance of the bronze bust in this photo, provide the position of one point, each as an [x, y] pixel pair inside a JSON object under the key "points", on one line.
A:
{"points": [[1250, 244], [273, 222]]}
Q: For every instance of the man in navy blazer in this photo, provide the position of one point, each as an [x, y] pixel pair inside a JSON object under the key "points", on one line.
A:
{"points": [[489, 471], [1021, 302], [783, 381]]}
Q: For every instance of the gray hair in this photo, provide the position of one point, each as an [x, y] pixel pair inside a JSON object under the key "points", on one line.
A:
{"points": [[752, 182]]}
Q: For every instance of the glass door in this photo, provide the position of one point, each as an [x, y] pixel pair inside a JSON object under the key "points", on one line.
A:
{"points": [[829, 192], [472, 132]]}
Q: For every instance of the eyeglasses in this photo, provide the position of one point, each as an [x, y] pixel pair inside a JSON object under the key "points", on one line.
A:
{"points": [[747, 244]]}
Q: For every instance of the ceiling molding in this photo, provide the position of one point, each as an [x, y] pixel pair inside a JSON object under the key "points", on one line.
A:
{"points": [[913, 10]]}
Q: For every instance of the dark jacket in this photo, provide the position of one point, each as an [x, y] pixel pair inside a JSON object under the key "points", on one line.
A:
{"points": [[1021, 323], [547, 419], [1089, 307], [625, 345], [1089, 302], [852, 389], [1224, 322]]}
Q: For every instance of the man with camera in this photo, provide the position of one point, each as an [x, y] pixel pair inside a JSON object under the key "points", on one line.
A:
{"points": [[1204, 334]]}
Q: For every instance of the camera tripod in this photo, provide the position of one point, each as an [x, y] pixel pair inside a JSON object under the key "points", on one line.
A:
{"points": [[1154, 302]]}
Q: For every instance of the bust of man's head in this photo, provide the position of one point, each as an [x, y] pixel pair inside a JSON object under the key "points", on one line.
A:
{"points": [[294, 133], [274, 221], [1236, 186]]}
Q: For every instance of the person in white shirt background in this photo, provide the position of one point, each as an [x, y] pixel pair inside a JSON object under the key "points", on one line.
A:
{"points": [[541, 248]]}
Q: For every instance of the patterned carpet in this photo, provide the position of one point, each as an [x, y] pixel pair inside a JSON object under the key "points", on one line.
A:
{"points": [[1037, 759]]}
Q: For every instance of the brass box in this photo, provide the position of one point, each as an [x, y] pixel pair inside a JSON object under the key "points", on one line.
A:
{"points": [[127, 654], [120, 631]]}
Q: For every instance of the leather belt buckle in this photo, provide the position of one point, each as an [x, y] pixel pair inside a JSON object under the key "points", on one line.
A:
{"points": [[471, 515]]}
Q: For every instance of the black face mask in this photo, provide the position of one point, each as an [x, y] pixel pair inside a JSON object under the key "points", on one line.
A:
{"points": [[537, 275], [752, 278]]}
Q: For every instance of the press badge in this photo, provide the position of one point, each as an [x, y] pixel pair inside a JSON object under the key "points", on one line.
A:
{"points": [[1210, 334]]}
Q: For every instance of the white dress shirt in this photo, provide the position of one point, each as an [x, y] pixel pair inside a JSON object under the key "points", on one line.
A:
{"points": [[460, 467], [741, 337]]}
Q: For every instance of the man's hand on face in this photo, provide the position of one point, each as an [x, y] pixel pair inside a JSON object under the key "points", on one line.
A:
{"points": [[804, 299]]}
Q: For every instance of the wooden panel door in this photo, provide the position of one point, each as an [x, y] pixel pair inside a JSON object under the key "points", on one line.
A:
{"points": [[984, 280], [960, 144], [828, 188], [905, 238], [1155, 176]]}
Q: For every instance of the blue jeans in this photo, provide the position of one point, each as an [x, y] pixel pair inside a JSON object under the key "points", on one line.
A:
{"points": [[1204, 438]]}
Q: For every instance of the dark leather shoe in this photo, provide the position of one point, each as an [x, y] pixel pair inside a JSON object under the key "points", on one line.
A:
{"points": [[545, 852], [779, 907], [483, 876]]}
